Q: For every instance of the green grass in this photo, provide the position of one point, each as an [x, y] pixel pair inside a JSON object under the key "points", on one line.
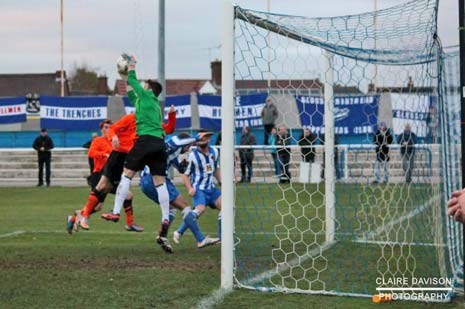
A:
{"points": [[44, 267]]}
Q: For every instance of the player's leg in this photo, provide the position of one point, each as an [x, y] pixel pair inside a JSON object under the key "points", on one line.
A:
{"points": [[95, 198], [148, 188], [216, 197], [198, 201], [191, 221], [129, 212], [156, 161]]}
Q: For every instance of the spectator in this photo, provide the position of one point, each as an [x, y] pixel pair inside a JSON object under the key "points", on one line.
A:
{"points": [[272, 143], [407, 140], [306, 140], [283, 140], [383, 138], [269, 116], [43, 144], [246, 155]]}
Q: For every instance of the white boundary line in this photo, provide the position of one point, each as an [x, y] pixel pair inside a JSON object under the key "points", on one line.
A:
{"points": [[12, 234], [391, 223]]}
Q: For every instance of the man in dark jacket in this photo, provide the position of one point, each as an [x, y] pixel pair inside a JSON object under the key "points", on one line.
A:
{"points": [[269, 115], [246, 155], [383, 138], [306, 140], [43, 144], [283, 140], [407, 140]]}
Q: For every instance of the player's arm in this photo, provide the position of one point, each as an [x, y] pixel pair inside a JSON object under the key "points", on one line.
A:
{"points": [[97, 149], [180, 166], [134, 83], [171, 124], [186, 176], [217, 173], [181, 142], [121, 124], [131, 95]]}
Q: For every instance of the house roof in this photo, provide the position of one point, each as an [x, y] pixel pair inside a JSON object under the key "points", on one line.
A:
{"points": [[173, 86], [41, 83]]}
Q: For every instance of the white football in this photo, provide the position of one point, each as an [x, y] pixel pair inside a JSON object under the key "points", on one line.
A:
{"points": [[122, 65]]}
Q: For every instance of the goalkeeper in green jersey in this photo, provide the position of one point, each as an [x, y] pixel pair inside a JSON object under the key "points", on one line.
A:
{"points": [[149, 148]]}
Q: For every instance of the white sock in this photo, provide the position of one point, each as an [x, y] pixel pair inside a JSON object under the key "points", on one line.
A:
{"points": [[164, 200], [121, 194], [185, 212]]}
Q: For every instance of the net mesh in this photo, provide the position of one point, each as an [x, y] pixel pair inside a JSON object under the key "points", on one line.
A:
{"points": [[389, 215]]}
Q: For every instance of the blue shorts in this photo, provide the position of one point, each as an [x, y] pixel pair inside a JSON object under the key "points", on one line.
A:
{"points": [[147, 186], [206, 197]]}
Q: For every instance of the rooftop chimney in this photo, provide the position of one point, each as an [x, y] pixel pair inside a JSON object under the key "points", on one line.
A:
{"points": [[102, 85], [216, 72]]}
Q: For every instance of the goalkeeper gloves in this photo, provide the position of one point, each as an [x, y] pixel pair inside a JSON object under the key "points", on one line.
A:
{"points": [[130, 59]]}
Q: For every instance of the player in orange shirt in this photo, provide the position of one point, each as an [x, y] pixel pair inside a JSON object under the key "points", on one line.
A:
{"points": [[122, 135], [99, 152]]}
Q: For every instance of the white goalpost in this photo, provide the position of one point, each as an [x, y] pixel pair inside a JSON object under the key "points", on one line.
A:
{"points": [[227, 148]]}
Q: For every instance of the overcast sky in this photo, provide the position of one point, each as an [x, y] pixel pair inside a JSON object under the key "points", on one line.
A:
{"points": [[96, 32]]}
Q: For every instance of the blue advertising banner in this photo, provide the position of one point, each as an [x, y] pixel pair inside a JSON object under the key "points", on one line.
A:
{"points": [[248, 110], [72, 113], [420, 111], [12, 110], [352, 114], [181, 103]]}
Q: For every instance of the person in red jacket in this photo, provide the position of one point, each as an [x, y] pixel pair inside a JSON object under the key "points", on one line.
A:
{"points": [[122, 136]]}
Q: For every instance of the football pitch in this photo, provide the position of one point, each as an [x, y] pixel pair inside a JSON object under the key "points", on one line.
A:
{"points": [[44, 267]]}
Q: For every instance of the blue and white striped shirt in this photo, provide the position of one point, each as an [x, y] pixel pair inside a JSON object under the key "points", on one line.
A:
{"points": [[173, 149], [202, 167]]}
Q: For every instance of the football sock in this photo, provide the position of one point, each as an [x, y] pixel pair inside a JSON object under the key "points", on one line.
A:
{"points": [[92, 201], [129, 212], [164, 200], [121, 193], [191, 222]]}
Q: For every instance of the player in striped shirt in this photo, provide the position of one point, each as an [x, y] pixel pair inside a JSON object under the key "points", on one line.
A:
{"points": [[203, 167], [176, 146]]}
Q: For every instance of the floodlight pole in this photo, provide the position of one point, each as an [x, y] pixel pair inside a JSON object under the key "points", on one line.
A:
{"points": [[330, 199], [268, 7], [227, 147], [62, 75], [161, 53]]}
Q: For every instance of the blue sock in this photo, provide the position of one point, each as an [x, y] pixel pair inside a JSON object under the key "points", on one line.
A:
{"points": [[191, 222], [219, 225], [182, 228]]}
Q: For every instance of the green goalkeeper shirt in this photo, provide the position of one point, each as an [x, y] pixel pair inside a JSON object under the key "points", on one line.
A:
{"points": [[148, 112]]}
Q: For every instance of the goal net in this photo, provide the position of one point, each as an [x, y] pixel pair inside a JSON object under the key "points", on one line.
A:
{"points": [[325, 210]]}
